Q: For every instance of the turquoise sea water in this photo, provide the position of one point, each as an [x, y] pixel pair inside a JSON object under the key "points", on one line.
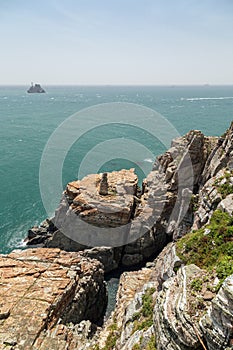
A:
{"points": [[28, 120]]}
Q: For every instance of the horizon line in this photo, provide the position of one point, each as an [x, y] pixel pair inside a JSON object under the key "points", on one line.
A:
{"points": [[125, 85]]}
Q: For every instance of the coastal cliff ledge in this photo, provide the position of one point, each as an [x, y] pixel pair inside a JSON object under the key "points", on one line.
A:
{"points": [[45, 294]]}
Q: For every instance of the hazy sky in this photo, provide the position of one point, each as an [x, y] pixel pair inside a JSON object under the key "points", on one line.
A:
{"points": [[116, 41]]}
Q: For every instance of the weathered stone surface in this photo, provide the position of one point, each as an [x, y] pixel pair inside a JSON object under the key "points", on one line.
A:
{"points": [[220, 157], [217, 324], [226, 204], [109, 210], [210, 198], [174, 318], [40, 234], [109, 257], [132, 259], [84, 212], [41, 287], [132, 287], [58, 239], [129, 300], [164, 211], [218, 163]]}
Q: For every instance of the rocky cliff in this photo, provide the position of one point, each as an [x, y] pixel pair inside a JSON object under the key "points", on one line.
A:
{"points": [[139, 224], [183, 216], [45, 294], [184, 299], [169, 305]]}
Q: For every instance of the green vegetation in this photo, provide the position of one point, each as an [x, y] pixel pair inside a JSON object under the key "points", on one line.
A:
{"points": [[150, 345], [110, 342], [212, 251], [194, 202], [224, 188], [112, 337], [144, 318], [196, 284], [112, 190], [96, 347]]}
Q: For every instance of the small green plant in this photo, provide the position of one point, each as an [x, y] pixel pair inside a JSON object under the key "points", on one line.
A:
{"points": [[147, 303], [196, 284], [224, 269], [194, 202], [110, 342], [144, 319], [96, 347], [152, 343], [225, 188], [143, 325], [112, 337], [113, 326]]}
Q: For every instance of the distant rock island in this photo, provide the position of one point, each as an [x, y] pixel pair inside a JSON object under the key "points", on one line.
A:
{"points": [[35, 89]]}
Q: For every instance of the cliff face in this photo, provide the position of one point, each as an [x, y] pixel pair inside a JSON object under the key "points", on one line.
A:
{"points": [[216, 180], [42, 292], [183, 299], [169, 305], [186, 287]]}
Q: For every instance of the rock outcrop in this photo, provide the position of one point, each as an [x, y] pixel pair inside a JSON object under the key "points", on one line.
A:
{"points": [[36, 89], [220, 157], [131, 323], [44, 290], [138, 226], [217, 323], [173, 303], [216, 182], [168, 305]]}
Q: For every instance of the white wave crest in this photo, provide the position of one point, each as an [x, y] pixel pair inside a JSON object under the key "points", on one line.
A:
{"points": [[206, 98], [148, 160]]}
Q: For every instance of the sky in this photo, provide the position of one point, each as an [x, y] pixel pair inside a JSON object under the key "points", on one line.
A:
{"points": [[116, 42]]}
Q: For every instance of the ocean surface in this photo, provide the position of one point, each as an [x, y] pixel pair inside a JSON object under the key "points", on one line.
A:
{"points": [[28, 120]]}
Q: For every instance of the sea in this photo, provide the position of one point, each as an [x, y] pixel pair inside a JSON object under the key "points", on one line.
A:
{"points": [[29, 120]]}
